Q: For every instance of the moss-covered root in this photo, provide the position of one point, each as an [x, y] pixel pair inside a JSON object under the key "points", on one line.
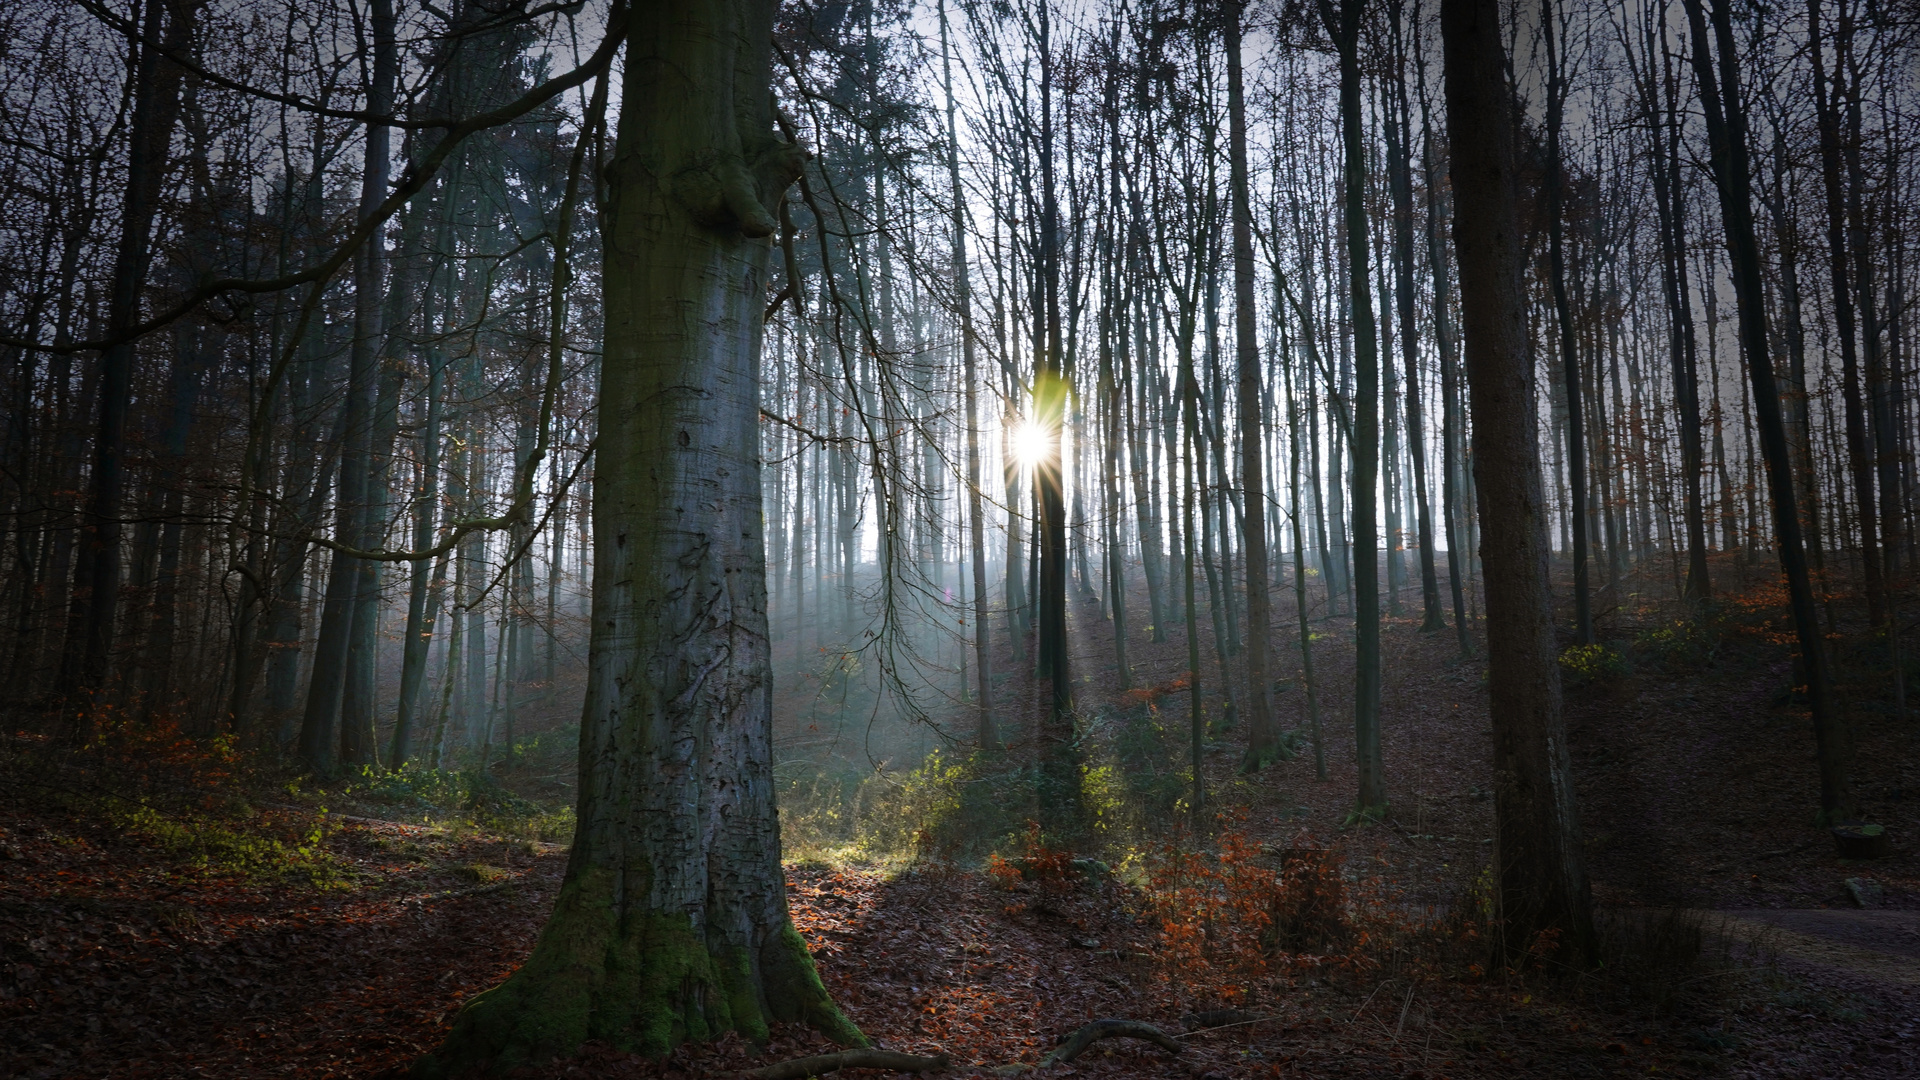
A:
{"points": [[645, 986], [794, 992]]}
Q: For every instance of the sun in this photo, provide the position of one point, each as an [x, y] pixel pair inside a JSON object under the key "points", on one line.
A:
{"points": [[1030, 445]]}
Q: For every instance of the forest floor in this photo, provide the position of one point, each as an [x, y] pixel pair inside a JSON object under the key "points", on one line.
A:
{"points": [[166, 912]]}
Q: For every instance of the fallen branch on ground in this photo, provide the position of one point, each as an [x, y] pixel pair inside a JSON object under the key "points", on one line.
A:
{"points": [[1089, 1034], [800, 1068], [1224, 1026]]}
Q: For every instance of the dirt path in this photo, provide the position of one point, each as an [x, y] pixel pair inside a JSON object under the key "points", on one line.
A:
{"points": [[1881, 947]]}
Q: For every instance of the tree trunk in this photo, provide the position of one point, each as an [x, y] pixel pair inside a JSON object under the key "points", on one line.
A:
{"points": [[1539, 874], [989, 734], [1452, 442], [1727, 139], [168, 29], [672, 922], [1059, 770], [1372, 795], [418, 637], [1569, 354], [1669, 197], [1262, 736], [1400, 147]]}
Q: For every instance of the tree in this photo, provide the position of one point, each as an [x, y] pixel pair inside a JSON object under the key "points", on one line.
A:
{"points": [[1539, 875], [1577, 494], [167, 30], [1263, 741], [672, 922], [963, 304], [1727, 142], [1344, 26]]}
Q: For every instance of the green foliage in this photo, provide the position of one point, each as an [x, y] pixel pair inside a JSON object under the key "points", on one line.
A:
{"points": [[241, 848], [1150, 762], [469, 797], [1133, 779], [1583, 665], [947, 809], [1679, 646], [411, 786]]}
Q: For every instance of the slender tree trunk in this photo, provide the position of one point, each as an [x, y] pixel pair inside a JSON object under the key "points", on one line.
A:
{"points": [[168, 29], [1669, 189], [1452, 448], [1060, 779], [1727, 138], [1540, 878], [418, 637], [1308, 677], [989, 734], [1372, 797], [1262, 735], [1563, 311], [1400, 168], [1196, 711]]}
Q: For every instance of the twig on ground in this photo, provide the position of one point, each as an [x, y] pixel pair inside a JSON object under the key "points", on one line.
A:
{"points": [[1402, 1022]]}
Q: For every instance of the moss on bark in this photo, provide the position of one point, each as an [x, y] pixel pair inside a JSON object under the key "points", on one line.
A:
{"points": [[644, 984]]}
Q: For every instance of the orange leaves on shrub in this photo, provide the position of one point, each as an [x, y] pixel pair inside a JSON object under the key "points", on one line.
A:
{"points": [[1050, 868], [1148, 695], [1226, 916]]}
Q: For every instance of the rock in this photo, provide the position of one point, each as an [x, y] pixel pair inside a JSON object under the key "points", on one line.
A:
{"points": [[1865, 892], [1093, 868], [1212, 1018], [1862, 841]]}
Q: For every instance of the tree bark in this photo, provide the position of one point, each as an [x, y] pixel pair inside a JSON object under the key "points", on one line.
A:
{"points": [[672, 922], [168, 29], [1539, 873], [1727, 140], [1372, 795], [1400, 147], [1263, 739], [1569, 354], [1669, 189], [989, 734]]}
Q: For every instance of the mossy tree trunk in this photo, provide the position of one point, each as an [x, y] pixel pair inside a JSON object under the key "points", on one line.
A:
{"points": [[672, 923]]}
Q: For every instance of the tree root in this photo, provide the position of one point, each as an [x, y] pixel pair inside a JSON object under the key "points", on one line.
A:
{"points": [[1089, 1034], [1076, 1044], [801, 1068]]}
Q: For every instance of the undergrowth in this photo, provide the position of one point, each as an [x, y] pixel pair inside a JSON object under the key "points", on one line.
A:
{"points": [[464, 798], [246, 848]]}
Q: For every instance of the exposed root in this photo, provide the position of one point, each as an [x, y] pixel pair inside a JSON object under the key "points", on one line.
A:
{"points": [[1089, 1034], [821, 1064]]}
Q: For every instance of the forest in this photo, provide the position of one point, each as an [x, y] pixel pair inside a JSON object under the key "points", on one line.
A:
{"points": [[1118, 538]]}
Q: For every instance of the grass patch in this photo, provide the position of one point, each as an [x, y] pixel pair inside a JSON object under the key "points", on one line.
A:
{"points": [[481, 873]]}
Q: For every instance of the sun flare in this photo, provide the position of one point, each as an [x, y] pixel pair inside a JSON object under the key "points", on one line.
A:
{"points": [[1029, 442]]}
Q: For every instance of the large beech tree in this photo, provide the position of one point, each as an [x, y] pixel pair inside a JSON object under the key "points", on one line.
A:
{"points": [[672, 923]]}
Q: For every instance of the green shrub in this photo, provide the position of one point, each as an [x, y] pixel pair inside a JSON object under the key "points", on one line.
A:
{"points": [[238, 849], [948, 809], [469, 796], [1592, 664], [1682, 645]]}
